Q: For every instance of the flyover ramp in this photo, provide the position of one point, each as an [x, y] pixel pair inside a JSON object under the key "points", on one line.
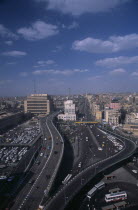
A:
{"points": [[67, 192]]}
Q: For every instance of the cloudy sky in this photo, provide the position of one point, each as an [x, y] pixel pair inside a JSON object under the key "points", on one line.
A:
{"points": [[85, 45]]}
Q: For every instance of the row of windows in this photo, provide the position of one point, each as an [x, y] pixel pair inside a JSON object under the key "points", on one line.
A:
{"points": [[37, 105], [36, 102], [39, 108], [37, 111]]}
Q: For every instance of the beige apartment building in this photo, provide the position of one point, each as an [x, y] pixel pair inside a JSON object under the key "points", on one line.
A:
{"points": [[98, 116], [38, 104], [112, 116]]}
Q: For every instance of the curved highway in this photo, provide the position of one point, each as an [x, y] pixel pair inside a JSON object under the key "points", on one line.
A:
{"points": [[68, 191], [31, 195]]}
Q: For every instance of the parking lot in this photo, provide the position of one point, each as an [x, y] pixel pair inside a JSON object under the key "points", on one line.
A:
{"points": [[10, 154]]}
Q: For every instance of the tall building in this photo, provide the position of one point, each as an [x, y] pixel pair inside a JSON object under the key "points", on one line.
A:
{"points": [[69, 111], [112, 116], [38, 104]]}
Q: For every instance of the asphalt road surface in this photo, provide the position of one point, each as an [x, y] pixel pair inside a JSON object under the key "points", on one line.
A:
{"points": [[31, 195], [65, 194]]}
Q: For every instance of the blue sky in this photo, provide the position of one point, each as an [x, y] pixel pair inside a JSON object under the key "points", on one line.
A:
{"points": [[88, 46]]}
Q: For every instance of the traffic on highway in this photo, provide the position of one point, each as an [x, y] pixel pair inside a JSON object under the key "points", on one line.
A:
{"points": [[92, 150]]}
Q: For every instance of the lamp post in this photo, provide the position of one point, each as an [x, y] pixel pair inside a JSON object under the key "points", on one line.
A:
{"points": [[65, 197]]}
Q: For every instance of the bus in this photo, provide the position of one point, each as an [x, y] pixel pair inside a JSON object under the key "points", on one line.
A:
{"points": [[91, 192], [67, 179], [116, 196], [98, 186]]}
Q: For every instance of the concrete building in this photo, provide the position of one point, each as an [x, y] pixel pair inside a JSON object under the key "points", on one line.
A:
{"points": [[132, 118], [98, 116], [115, 105], [69, 111], [112, 116], [38, 104], [95, 107]]}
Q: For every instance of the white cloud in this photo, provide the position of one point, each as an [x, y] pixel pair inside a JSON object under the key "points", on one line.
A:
{"points": [[11, 63], [44, 63], [81, 70], [95, 77], [134, 74], [38, 30], [58, 48], [73, 25], [59, 72], [14, 53], [23, 74], [3, 82], [117, 71], [6, 33], [78, 7], [117, 61], [9, 43], [112, 45]]}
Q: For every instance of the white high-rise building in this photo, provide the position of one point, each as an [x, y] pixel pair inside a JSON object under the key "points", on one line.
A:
{"points": [[69, 111]]}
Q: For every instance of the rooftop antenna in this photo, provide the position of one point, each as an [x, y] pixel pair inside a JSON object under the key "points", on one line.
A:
{"points": [[69, 93], [34, 86]]}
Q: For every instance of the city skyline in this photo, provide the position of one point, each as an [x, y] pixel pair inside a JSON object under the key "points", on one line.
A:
{"points": [[89, 47]]}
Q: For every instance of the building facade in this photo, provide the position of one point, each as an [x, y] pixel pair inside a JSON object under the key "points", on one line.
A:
{"points": [[98, 116], [69, 111], [37, 104], [112, 116], [115, 105]]}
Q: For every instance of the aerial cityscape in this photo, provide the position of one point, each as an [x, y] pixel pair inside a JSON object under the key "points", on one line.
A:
{"points": [[68, 105]]}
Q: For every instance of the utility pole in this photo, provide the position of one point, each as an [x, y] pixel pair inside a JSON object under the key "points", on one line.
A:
{"points": [[69, 92], [34, 86]]}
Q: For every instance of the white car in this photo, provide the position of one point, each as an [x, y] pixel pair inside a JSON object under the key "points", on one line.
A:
{"points": [[79, 165], [135, 171], [86, 138], [99, 148]]}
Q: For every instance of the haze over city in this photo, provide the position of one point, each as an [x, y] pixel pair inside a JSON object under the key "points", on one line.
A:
{"points": [[89, 46]]}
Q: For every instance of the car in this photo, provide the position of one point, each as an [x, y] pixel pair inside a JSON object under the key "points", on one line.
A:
{"points": [[79, 166], [10, 178], [99, 148], [55, 152], [31, 181], [86, 138], [135, 171]]}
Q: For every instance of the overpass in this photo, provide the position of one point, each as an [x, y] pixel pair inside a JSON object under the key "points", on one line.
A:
{"points": [[33, 195], [86, 122], [68, 191]]}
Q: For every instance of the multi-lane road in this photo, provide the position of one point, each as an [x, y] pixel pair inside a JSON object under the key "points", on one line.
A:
{"points": [[68, 191], [44, 174]]}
